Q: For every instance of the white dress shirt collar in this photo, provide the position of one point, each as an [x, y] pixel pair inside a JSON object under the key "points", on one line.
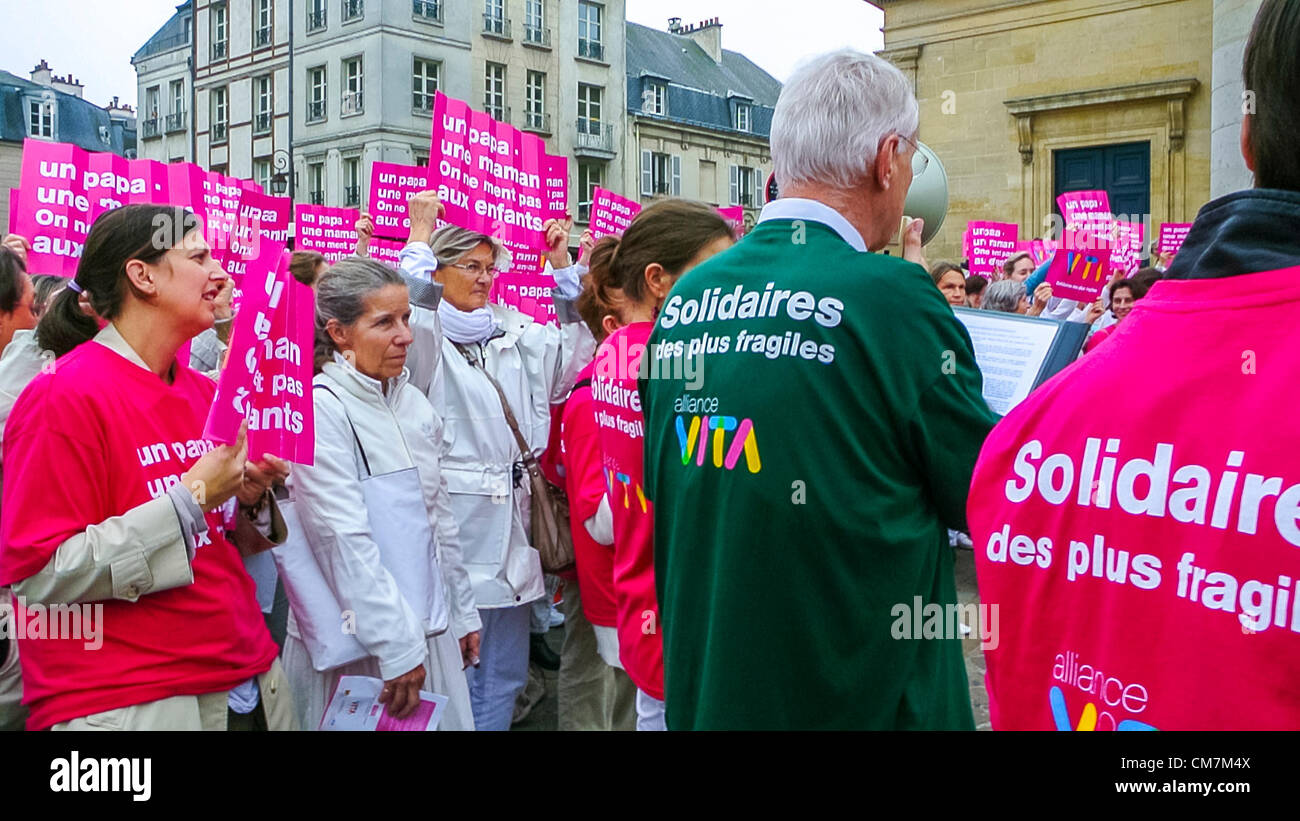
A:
{"points": [[794, 208]]}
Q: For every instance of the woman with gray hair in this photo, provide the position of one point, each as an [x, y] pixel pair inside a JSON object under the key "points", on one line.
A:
{"points": [[492, 354], [1006, 295], [379, 450]]}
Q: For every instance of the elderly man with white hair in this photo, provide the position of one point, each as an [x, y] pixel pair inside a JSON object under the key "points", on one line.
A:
{"points": [[804, 469]]}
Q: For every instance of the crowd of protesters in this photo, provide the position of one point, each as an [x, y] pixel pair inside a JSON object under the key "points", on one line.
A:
{"points": [[741, 541]]}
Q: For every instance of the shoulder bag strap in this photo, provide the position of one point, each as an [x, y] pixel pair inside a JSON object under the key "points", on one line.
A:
{"points": [[356, 438], [529, 459]]}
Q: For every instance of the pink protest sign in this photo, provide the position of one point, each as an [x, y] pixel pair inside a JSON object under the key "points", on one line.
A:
{"points": [[610, 213], [557, 186], [489, 176], [391, 185], [1172, 235], [735, 217], [1078, 275], [332, 232], [387, 251], [991, 244], [267, 379], [13, 208], [271, 214], [1088, 220], [1126, 252]]}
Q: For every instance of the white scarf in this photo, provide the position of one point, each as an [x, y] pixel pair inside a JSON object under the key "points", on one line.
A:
{"points": [[464, 327]]}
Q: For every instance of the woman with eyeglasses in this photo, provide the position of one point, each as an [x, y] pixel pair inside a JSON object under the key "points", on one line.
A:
{"points": [[487, 346]]}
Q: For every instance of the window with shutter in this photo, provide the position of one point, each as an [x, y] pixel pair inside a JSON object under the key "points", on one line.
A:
{"points": [[647, 173], [735, 185], [677, 176]]}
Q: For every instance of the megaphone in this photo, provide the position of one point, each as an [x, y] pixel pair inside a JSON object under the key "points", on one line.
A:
{"points": [[927, 199]]}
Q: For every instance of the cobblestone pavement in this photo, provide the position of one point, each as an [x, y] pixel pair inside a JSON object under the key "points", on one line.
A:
{"points": [[544, 716]]}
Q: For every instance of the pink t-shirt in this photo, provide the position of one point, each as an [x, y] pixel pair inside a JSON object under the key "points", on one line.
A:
{"points": [[93, 439], [1137, 522], [584, 482], [622, 439]]}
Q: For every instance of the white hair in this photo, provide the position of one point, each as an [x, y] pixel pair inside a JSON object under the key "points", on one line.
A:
{"points": [[832, 115], [1003, 295]]}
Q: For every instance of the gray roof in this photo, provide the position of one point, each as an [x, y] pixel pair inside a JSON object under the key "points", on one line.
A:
{"points": [[76, 121], [174, 34], [700, 91]]}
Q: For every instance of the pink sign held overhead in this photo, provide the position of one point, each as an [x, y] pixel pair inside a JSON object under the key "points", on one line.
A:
{"points": [[1088, 219], [331, 232], [1078, 275], [1172, 235], [557, 187], [610, 213], [735, 217], [267, 379], [1126, 252], [991, 244], [391, 185]]}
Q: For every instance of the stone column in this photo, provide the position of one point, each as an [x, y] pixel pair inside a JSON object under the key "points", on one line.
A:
{"points": [[1232, 21]]}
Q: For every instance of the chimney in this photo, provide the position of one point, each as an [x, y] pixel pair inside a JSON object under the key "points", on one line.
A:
{"points": [[41, 74], [708, 36], [69, 85], [674, 25]]}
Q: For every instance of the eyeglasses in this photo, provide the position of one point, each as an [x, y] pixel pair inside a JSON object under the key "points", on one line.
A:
{"points": [[920, 161], [475, 269]]}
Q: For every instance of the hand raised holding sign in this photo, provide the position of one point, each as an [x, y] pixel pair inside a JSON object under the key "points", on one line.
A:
{"points": [[1040, 296], [557, 241], [18, 244], [585, 244], [424, 209], [365, 229], [219, 473]]}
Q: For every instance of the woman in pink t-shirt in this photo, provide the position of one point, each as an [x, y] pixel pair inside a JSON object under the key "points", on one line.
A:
{"points": [[664, 241], [115, 506]]}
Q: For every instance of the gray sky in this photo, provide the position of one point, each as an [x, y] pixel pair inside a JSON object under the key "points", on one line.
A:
{"points": [[94, 39]]}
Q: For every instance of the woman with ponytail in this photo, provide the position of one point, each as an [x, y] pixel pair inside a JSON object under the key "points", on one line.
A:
{"points": [[664, 241], [139, 509]]}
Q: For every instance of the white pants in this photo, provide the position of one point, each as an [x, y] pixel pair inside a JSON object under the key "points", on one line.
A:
{"points": [[649, 713], [503, 666]]}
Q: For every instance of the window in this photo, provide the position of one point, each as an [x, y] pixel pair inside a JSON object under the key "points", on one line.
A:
{"points": [[262, 174], [427, 10], [422, 160], [316, 94], [176, 119], [589, 109], [535, 31], [352, 181], [424, 85], [262, 34], [590, 175], [352, 87], [149, 122], [589, 22], [316, 182], [217, 19], [742, 117], [534, 102], [315, 15], [262, 98], [494, 92], [744, 183], [40, 118], [353, 10], [661, 174], [219, 113], [655, 98], [494, 18]]}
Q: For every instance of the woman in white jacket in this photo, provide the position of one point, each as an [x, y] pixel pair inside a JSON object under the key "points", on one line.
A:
{"points": [[535, 365], [371, 422]]}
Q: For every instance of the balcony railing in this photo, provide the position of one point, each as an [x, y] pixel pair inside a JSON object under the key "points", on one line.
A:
{"points": [[500, 113], [746, 199], [176, 122], [661, 187], [316, 20], [352, 9], [594, 135], [262, 124], [537, 36], [494, 26], [218, 132], [262, 38], [318, 198], [315, 111], [537, 121], [149, 128], [591, 50], [352, 194], [219, 50], [427, 10], [422, 103], [352, 103]]}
